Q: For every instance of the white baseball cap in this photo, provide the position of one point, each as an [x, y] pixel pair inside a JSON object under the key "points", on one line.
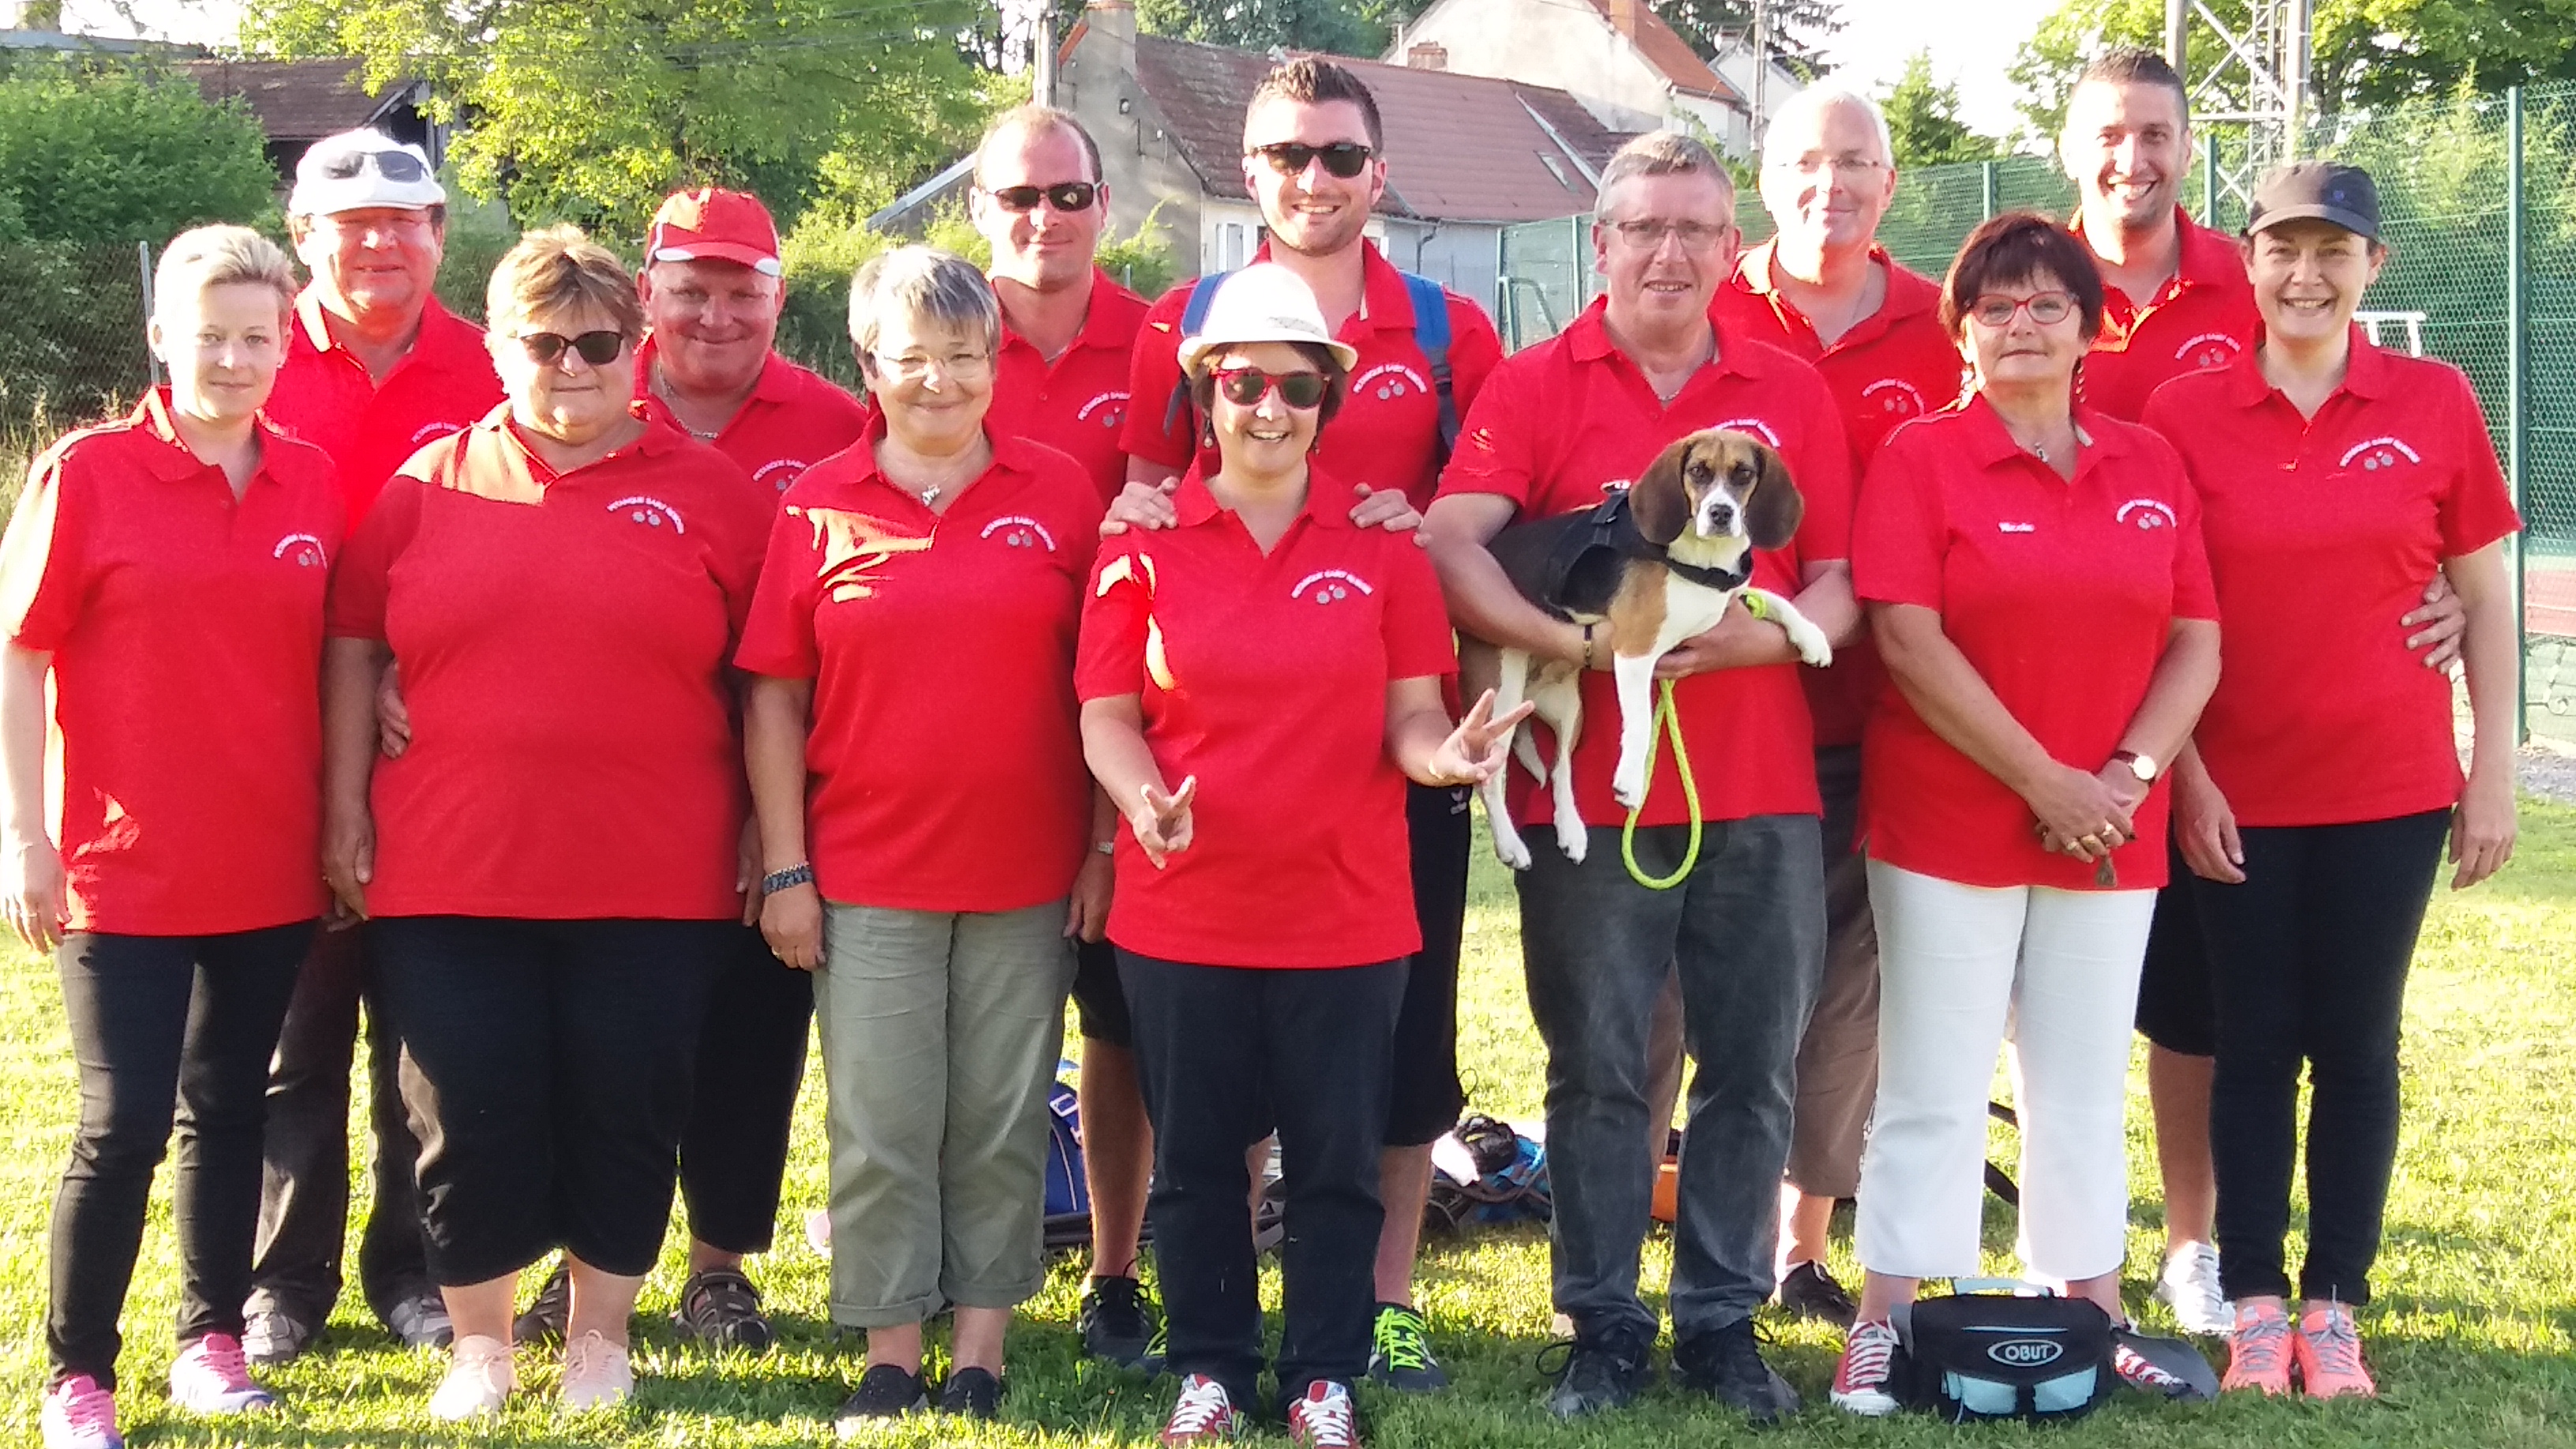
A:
{"points": [[1265, 302], [357, 169]]}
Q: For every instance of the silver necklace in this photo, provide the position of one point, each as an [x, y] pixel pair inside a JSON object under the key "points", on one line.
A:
{"points": [[663, 390]]}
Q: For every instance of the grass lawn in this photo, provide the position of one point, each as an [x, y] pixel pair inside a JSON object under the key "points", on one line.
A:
{"points": [[2474, 1335]]}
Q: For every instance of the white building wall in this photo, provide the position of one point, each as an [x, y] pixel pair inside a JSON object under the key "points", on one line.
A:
{"points": [[1560, 43]]}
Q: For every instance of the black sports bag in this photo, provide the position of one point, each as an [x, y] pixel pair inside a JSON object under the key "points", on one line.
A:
{"points": [[2003, 1355]]}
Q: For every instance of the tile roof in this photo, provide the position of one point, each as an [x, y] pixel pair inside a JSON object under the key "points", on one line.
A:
{"points": [[1459, 147], [295, 100]]}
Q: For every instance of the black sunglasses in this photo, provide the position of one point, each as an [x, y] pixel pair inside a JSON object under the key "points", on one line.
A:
{"points": [[1063, 196], [391, 165], [1344, 159], [596, 348], [1244, 387]]}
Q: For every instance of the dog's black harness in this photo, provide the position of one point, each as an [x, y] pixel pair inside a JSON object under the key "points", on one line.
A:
{"points": [[1581, 572]]}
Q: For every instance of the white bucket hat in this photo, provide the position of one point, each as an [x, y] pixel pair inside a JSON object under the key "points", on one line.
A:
{"points": [[1265, 302], [357, 169]]}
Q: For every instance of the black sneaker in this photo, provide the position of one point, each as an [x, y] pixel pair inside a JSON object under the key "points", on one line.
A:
{"points": [[1400, 1352], [1725, 1362], [1808, 1291], [1601, 1371], [884, 1392], [972, 1392], [720, 1308], [544, 1321], [1117, 1321]]}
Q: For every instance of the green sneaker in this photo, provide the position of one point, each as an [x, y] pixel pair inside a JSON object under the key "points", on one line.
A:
{"points": [[1400, 1352]]}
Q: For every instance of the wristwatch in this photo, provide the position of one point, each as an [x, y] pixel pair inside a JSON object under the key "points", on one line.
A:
{"points": [[2142, 766]]}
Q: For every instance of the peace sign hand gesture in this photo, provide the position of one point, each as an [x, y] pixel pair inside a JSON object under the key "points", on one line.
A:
{"points": [[1480, 744], [1162, 824]]}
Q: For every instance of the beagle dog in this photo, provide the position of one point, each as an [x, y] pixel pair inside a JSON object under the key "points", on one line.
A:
{"points": [[1652, 566]]}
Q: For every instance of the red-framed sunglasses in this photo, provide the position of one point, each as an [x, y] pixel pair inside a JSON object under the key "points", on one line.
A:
{"points": [[1246, 386]]}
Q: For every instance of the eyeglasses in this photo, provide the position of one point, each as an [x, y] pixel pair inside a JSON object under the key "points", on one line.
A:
{"points": [[400, 166], [1839, 165], [2046, 308], [1246, 386], [1648, 233], [1063, 196], [914, 366], [596, 348], [1344, 159]]}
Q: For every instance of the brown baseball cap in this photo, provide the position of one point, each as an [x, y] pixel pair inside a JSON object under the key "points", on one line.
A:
{"points": [[2316, 191]]}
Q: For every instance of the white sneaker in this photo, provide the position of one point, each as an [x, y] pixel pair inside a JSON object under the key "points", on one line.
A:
{"points": [[210, 1377], [480, 1376], [2189, 1285], [597, 1374]]}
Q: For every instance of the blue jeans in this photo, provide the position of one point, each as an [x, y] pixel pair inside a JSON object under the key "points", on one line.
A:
{"points": [[1746, 930]]}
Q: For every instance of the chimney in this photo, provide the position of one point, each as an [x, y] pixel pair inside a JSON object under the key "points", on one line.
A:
{"points": [[1114, 22], [1427, 55], [1623, 16]]}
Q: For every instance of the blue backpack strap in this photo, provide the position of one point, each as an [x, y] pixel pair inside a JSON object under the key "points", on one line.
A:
{"points": [[1431, 334], [1193, 317]]}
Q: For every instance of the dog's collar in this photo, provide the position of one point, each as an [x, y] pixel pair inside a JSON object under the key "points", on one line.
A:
{"points": [[1721, 580]]}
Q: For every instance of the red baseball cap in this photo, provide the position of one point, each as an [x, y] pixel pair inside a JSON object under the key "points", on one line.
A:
{"points": [[710, 222]]}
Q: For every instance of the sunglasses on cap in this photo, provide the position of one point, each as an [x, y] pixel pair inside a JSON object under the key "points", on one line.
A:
{"points": [[596, 348], [1246, 386], [1063, 196], [1344, 159], [397, 166]]}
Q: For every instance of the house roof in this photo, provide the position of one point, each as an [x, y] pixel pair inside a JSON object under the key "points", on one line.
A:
{"points": [[1459, 147], [1664, 49], [297, 100]]}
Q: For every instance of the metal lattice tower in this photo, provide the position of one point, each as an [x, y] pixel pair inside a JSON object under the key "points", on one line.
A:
{"points": [[2256, 84]]}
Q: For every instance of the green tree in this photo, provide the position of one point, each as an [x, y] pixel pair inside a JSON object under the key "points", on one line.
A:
{"points": [[1332, 26], [594, 109], [1923, 120], [113, 154], [1798, 28]]}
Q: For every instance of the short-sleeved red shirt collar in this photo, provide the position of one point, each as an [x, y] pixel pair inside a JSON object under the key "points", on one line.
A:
{"points": [[2366, 374], [2202, 317], [1108, 324], [1909, 295], [1328, 503], [371, 426], [1077, 401], [792, 419], [2202, 258]]}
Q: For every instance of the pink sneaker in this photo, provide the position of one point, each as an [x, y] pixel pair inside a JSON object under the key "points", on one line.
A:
{"points": [[81, 1415], [211, 1377], [2327, 1349], [2258, 1352]]}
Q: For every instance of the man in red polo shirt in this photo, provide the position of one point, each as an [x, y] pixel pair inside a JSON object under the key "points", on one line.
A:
{"points": [[375, 370], [1067, 326], [1824, 290], [1314, 157], [1561, 426]]}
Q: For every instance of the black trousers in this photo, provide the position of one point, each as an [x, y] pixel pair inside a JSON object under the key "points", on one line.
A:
{"points": [[167, 1030], [751, 1064], [2309, 956], [1224, 1053], [547, 1068], [304, 1187]]}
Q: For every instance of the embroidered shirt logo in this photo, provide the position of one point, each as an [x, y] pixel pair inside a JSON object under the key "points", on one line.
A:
{"points": [[1756, 427], [855, 548], [2209, 349], [1329, 586], [1109, 409], [1018, 530], [2378, 453], [650, 511], [2017, 528], [2145, 513], [787, 469], [1893, 396], [427, 431], [301, 549], [1388, 380]]}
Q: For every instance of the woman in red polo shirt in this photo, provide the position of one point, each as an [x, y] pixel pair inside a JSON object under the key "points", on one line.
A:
{"points": [[552, 868], [927, 823], [168, 572], [2035, 581], [1258, 682], [2322, 782]]}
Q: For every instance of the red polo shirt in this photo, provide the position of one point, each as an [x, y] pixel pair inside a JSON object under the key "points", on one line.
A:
{"points": [[325, 397], [1897, 363], [1387, 434], [563, 639], [934, 786], [2203, 317], [2322, 534], [793, 419], [1568, 422], [1076, 404], [1265, 676], [2061, 593], [186, 635]]}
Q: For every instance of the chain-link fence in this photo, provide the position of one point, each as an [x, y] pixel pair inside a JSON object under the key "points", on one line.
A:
{"points": [[2482, 274], [71, 343]]}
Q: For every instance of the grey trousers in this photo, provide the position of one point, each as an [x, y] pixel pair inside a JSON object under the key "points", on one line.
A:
{"points": [[940, 1035], [1746, 932]]}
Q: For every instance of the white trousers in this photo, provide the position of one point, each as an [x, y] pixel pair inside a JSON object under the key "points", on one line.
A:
{"points": [[1964, 970]]}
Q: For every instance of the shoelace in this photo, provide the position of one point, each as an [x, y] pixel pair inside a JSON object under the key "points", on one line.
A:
{"points": [[1401, 1339], [1866, 1354], [1328, 1420], [91, 1410], [221, 1355], [2337, 1343], [2136, 1368], [1203, 1406], [2258, 1346]]}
